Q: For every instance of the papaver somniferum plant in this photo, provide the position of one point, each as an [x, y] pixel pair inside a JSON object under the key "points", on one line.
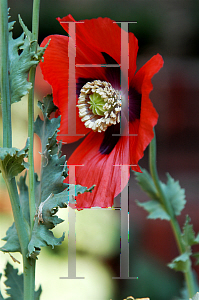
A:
{"points": [[118, 126]]}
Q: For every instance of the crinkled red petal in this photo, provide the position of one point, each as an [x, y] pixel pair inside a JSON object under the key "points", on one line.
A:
{"points": [[102, 170], [102, 35], [148, 117], [55, 70]]}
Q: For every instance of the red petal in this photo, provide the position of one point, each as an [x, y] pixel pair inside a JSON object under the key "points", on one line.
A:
{"points": [[148, 116], [55, 71], [102, 35], [101, 170]]}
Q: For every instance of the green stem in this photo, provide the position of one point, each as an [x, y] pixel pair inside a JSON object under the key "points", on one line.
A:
{"points": [[21, 227], [22, 231], [29, 268], [35, 28], [174, 223], [18, 217], [5, 90]]}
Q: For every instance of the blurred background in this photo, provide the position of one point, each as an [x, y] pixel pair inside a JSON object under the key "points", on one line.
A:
{"points": [[170, 28]]}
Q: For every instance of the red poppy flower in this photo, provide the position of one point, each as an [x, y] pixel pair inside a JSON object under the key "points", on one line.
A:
{"points": [[100, 102]]}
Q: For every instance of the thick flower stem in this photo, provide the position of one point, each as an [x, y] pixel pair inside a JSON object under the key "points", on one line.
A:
{"points": [[5, 91], [29, 268], [35, 26], [23, 236], [167, 205]]}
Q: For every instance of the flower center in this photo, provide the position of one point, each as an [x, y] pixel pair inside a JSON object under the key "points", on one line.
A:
{"points": [[99, 105]]}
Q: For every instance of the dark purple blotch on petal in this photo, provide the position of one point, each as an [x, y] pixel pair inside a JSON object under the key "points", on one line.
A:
{"points": [[110, 140], [134, 104], [81, 82], [112, 73]]}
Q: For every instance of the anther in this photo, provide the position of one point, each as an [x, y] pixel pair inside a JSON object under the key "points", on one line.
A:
{"points": [[99, 105]]}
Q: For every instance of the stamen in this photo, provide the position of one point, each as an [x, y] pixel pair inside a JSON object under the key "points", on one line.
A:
{"points": [[99, 105]]}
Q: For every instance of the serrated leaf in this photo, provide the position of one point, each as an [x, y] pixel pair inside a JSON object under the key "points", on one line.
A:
{"points": [[146, 183], [38, 293], [54, 170], [188, 235], [172, 191], [46, 219], [12, 242], [53, 202], [181, 263], [15, 285], [12, 160], [52, 177], [175, 194], [196, 256], [20, 62], [41, 237], [46, 129], [51, 192], [47, 106], [1, 297], [21, 59], [27, 32], [196, 296], [24, 197], [40, 52], [155, 210]]}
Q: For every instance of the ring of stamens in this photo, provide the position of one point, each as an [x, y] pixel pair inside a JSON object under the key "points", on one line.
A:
{"points": [[99, 105]]}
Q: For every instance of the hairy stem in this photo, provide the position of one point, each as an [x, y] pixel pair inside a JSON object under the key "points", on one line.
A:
{"points": [[5, 90], [21, 228], [35, 28], [174, 223], [29, 269]]}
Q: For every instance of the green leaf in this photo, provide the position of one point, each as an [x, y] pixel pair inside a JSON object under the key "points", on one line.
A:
{"points": [[38, 293], [47, 129], [47, 106], [196, 255], [20, 61], [181, 263], [15, 285], [46, 219], [11, 238], [12, 160], [24, 197], [188, 235], [1, 297], [12, 242], [50, 206], [27, 32], [51, 192], [196, 296], [40, 52], [155, 210], [42, 237], [172, 191], [146, 183], [175, 194]]}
